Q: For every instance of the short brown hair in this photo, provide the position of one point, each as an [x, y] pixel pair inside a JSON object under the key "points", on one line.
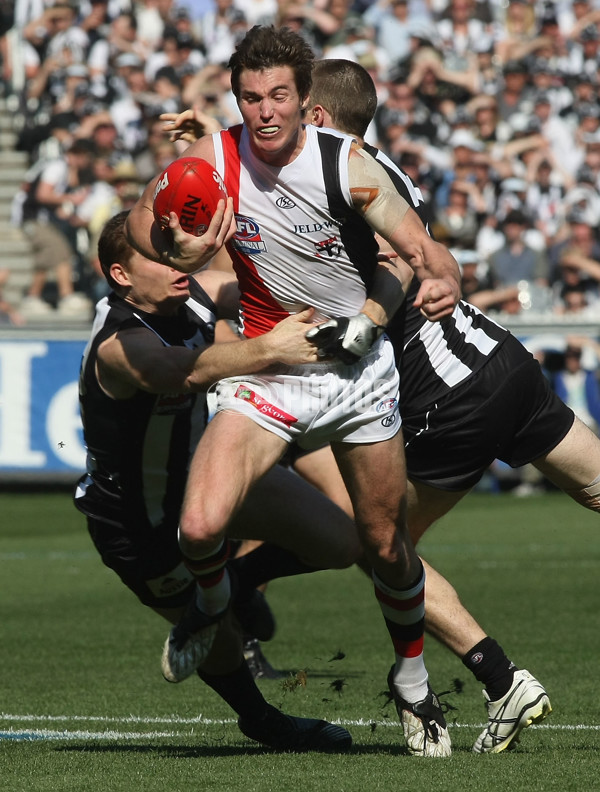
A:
{"points": [[113, 246], [346, 90], [264, 47]]}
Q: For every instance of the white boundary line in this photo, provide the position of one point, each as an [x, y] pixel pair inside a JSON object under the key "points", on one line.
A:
{"points": [[20, 734]]}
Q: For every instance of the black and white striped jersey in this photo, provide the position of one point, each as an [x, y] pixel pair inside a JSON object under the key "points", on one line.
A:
{"points": [[138, 449], [434, 357]]}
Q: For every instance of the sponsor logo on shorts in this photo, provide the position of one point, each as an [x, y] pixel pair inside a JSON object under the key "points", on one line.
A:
{"points": [[247, 238], [283, 202], [386, 404], [389, 420], [263, 406]]}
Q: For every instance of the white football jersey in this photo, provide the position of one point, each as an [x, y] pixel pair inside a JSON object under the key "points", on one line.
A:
{"points": [[299, 241]]}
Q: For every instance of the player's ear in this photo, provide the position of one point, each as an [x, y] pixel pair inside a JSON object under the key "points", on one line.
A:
{"points": [[119, 275], [317, 115]]}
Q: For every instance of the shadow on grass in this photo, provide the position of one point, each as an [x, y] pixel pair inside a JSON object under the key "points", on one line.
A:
{"points": [[220, 751]]}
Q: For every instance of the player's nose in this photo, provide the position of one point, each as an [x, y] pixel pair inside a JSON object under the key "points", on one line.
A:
{"points": [[266, 108]]}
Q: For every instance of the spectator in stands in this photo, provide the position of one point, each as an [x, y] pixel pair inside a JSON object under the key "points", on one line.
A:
{"points": [[575, 259], [220, 30], [128, 112], [458, 32], [463, 147], [514, 89], [392, 27], [488, 127], [574, 300], [477, 286], [577, 384], [516, 261], [517, 33], [177, 49], [556, 132], [458, 216], [54, 196], [104, 54], [546, 190]]}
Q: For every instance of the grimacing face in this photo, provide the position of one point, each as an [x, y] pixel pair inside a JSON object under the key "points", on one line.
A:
{"points": [[272, 111]]}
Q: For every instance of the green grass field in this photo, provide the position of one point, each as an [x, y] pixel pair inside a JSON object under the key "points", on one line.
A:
{"points": [[84, 706]]}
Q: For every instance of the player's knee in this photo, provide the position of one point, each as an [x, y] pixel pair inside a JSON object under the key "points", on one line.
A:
{"points": [[588, 496], [201, 534]]}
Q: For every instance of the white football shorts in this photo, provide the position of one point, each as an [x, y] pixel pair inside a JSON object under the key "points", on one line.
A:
{"points": [[324, 402]]}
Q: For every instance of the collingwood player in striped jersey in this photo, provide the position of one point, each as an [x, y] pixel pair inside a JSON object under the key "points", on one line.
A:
{"points": [[148, 360], [470, 393]]}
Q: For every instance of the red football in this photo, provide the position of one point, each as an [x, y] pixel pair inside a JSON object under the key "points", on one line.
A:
{"points": [[191, 188]]}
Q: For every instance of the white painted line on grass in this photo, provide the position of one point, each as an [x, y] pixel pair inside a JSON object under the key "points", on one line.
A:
{"points": [[47, 734], [115, 735]]}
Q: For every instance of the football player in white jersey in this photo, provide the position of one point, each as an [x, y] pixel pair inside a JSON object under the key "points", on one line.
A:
{"points": [[328, 262]]}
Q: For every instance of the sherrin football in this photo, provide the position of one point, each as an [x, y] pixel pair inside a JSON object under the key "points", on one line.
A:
{"points": [[191, 188]]}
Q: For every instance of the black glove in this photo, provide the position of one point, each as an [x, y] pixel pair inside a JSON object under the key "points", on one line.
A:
{"points": [[347, 338]]}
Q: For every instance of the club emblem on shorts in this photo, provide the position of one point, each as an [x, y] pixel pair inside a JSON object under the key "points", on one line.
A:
{"points": [[247, 238], [263, 406], [386, 404]]}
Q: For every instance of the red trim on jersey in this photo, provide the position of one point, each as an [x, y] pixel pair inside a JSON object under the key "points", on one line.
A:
{"points": [[230, 140], [260, 310]]}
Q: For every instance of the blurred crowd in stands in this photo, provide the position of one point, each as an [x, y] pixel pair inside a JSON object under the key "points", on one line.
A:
{"points": [[491, 106]]}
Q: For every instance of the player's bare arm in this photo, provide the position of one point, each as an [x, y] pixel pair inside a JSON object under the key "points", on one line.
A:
{"points": [[376, 198], [176, 248], [223, 289], [135, 359]]}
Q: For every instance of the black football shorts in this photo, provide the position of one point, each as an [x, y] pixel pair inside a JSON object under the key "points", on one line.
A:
{"points": [[506, 411], [148, 562]]}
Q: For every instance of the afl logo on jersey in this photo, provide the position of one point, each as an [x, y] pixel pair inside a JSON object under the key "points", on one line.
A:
{"points": [[247, 238], [283, 202], [386, 405]]}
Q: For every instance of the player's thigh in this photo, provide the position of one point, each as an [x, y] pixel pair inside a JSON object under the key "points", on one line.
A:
{"points": [[375, 476], [282, 508], [575, 462], [233, 453], [320, 469], [426, 504]]}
